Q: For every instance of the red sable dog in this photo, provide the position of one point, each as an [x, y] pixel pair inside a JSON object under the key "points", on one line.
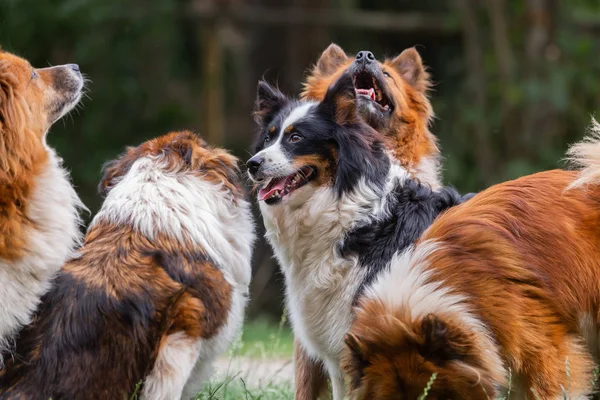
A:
{"points": [[507, 284], [158, 289], [392, 98], [39, 218]]}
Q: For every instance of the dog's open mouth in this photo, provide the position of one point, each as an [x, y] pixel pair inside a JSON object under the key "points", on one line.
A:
{"points": [[277, 189], [366, 85]]}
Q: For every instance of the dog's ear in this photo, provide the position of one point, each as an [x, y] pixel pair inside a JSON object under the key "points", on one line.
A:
{"points": [[356, 359], [442, 341], [410, 66], [113, 171], [331, 59], [340, 101], [269, 100]]}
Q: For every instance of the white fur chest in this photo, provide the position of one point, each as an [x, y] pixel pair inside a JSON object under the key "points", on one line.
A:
{"points": [[320, 285], [54, 209]]}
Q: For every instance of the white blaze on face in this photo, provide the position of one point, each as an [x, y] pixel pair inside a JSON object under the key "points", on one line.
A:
{"points": [[276, 161]]}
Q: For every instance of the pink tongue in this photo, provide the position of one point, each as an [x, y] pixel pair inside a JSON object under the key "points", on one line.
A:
{"points": [[367, 92], [270, 188]]}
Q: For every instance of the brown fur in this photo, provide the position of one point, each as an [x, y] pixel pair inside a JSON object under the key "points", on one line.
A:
{"points": [[407, 135], [410, 138], [99, 331], [525, 255], [23, 123], [311, 377]]}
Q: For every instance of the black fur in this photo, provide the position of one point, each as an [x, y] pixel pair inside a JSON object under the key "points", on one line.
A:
{"points": [[412, 207], [354, 150], [357, 152], [99, 340]]}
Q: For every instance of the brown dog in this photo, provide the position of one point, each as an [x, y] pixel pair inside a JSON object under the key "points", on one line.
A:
{"points": [[392, 99], [39, 210], [505, 286], [157, 291]]}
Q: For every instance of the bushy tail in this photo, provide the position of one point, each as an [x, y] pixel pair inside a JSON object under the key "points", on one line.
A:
{"points": [[585, 156]]}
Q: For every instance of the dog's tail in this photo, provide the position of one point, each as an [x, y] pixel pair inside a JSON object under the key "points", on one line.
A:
{"points": [[585, 156]]}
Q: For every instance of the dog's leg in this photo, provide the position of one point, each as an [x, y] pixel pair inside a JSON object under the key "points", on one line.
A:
{"points": [[177, 356], [311, 380], [337, 380], [201, 373]]}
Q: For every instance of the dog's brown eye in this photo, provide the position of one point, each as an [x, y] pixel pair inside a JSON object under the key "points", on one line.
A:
{"points": [[295, 138], [386, 74]]}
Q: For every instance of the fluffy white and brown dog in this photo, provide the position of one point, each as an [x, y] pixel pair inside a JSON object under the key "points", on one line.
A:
{"points": [[39, 219], [158, 289], [336, 206]]}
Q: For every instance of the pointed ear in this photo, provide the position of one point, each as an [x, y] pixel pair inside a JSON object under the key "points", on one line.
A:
{"points": [[340, 101], [442, 341], [269, 100], [410, 66], [331, 59], [356, 360]]}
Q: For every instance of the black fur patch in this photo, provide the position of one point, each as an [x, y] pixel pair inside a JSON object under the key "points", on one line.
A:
{"points": [[100, 340], [354, 150], [412, 208]]}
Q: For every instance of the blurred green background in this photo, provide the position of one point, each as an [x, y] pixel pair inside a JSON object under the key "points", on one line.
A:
{"points": [[516, 81]]}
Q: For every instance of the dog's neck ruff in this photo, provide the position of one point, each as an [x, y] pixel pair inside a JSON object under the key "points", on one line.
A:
{"points": [[305, 239], [184, 207]]}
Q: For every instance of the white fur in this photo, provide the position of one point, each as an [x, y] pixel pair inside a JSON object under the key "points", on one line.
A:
{"points": [[585, 155], [186, 207], [277, 162], [304, 232], [428, 172], [172, 368], [407, 285], [53, 209]]}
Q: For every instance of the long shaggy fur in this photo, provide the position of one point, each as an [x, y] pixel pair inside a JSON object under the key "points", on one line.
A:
{"points": [[39, 210], [508, 281], [585, 156], [357, 192], [158, 289], [406, 129]]}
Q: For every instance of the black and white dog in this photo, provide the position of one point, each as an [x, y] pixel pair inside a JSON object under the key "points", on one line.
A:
{"points": [[336, 207]]}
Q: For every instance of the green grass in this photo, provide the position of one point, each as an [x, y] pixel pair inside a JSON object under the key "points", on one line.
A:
{"points": [[265, 338], [261, 340], [236, 389]]}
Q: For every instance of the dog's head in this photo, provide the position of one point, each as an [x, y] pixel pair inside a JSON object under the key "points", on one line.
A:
{"points": [[303, 145], [397, 357], [32, 99], [392, 98], [177, 153]]}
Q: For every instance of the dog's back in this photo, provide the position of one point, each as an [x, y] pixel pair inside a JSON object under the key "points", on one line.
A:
{"points": [[144, 296]]}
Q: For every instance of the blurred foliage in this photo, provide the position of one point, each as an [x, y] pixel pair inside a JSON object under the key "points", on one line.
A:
{"points": [[503, 110]]}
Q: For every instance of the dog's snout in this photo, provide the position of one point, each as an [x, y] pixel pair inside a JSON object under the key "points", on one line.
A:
{"points": [[254, 164], [365, 56], [74, 67]]}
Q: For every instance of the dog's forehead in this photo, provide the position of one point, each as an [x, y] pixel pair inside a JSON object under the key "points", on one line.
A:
{"points": [[296, 112]]}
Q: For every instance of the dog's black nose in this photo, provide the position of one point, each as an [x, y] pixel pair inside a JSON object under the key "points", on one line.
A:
{"points": [[74, 67], [254, 164], [365, 56]]}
